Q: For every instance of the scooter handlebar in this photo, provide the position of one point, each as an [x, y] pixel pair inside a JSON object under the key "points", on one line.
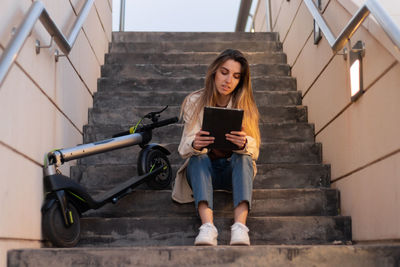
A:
{"points": [[158, 124], [150, 126]]}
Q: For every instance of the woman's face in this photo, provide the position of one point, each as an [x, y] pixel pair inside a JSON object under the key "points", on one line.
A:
{"points": [[227, 77]]}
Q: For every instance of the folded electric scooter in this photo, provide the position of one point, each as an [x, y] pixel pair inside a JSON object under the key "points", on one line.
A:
{"points": [[66, 200]]}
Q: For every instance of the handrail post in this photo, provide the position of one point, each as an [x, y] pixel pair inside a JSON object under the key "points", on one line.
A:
{"points": [[268, 16], [122, 16]]}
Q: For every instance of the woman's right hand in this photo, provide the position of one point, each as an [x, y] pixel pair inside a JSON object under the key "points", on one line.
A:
{"points": [[202, 139]]}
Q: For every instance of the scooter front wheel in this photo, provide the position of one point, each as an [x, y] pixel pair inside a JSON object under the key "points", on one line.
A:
{"points": [[55, 230], [153, 159]]}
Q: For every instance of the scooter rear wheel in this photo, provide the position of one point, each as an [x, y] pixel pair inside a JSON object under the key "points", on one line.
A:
{"points": [[55, 230], [153, 159]]}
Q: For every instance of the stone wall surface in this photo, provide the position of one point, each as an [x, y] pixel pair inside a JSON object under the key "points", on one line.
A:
{"points": [[43, 105], [360, 139]]}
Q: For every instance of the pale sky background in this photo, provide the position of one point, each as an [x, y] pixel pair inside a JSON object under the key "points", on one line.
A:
{"points": [[178, 15]]}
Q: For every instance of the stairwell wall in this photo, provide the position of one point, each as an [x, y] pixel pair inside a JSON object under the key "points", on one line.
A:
{"points": [[361, 139], [43, 105]]}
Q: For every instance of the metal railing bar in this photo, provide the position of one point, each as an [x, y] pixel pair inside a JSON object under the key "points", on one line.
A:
{"points": [[243, 15], [11, 51], [388, 25], [122, 15], [73, 35], [53, 30], [269, 17], [37, 12], [370, 6], [351, 27], [320, 21]]}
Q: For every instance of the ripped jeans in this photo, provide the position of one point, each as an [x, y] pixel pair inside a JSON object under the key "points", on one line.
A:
{"points": [[233, 174]]}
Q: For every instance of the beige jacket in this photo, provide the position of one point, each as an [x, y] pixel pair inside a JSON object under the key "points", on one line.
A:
{"points": [[181, 191]]}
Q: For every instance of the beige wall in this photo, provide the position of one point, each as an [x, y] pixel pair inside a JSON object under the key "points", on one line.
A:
{"points": [[43, 105], [360, 140]]}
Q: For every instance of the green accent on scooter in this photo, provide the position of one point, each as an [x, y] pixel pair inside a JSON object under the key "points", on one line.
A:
{"points": [[78, 197], [152, 167], [71, 218], [132, 130]]}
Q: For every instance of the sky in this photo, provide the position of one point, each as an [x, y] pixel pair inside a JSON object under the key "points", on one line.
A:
{"points": [[178, 15]]}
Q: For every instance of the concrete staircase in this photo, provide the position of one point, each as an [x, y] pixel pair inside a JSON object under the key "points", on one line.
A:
{"points": [[295, 220]]}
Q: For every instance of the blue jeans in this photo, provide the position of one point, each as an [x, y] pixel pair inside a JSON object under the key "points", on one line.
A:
{"points": [[234, 174]]}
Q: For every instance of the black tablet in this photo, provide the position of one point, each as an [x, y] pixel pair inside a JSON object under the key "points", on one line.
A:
{"points": [[219, 121]]}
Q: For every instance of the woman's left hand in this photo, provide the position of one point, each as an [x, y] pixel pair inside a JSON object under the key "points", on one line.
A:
{"points": [[238, 138]]}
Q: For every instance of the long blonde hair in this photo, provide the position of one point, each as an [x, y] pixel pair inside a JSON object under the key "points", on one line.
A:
{"points": [[242, 96]]}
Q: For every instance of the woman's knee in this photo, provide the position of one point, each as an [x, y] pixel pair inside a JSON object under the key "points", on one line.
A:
{"points": [[241, 158], [199, 161], [198, 170], [199, 164], [242, 163]]}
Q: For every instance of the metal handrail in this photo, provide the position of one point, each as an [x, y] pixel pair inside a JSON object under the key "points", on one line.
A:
{"points": [[38, 11], [243, 15], [268, 17], [370, 6], [122, 16]]}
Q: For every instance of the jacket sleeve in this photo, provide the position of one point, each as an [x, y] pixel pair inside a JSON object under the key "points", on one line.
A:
{"points": [[185, 148]]}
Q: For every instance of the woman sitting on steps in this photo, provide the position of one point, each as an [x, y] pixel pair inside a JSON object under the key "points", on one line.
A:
{"points": [[227, 85]]}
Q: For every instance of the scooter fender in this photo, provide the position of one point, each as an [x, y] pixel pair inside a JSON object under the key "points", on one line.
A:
{"points": [[48, 203], [141, 163], [75, 193], [156, 146], [60, 197]]}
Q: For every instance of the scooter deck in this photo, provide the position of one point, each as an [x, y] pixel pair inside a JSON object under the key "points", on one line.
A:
{"points": [[131, 183]]}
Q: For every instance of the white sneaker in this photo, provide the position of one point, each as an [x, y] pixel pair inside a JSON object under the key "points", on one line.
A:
{"points": [[239, 234], [207, 236]]}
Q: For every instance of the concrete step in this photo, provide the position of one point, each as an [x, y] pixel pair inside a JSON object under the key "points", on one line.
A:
{"points": [[182, 70], [269, 176], [270, 83], [292, 176], [270, 132], [129, 115], [265, 202], [118, 37], [263, 255], [190, 46], [305, 152], [111, 99], [186, 57], [181, 231]]}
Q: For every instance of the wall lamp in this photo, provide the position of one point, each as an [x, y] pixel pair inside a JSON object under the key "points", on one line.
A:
{"points": [[356, 55]]}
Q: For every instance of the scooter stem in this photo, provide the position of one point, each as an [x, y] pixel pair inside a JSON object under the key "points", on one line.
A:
{"points": [[60, 156]]}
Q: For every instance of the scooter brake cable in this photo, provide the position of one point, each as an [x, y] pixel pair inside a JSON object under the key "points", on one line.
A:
{"points": [[132, 130]]}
